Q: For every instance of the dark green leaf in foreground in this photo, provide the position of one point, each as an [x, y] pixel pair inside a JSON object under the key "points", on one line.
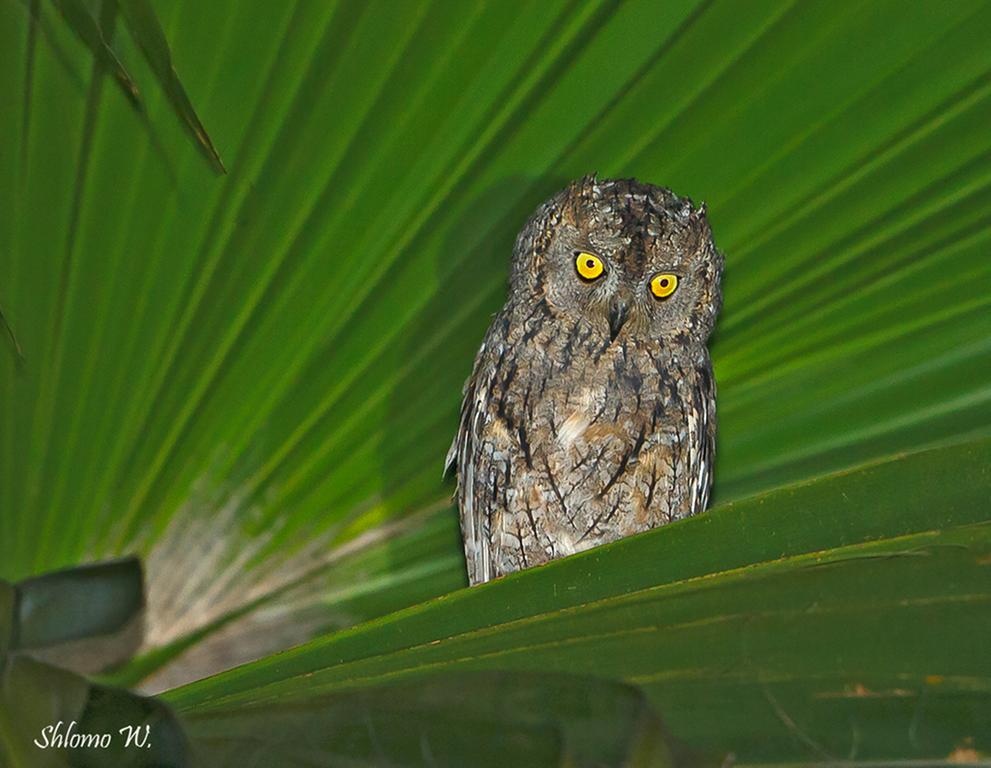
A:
{"points": [[85, 618], [34, 696], [82, 618], [39, 702], [477, 719], [820, 635]]}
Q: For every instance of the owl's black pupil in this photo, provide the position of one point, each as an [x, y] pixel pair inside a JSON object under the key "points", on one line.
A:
{"points": [[664, 283], [590, 264]]}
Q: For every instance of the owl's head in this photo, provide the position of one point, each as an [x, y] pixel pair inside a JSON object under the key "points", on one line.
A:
{"points": [[633, 260]]}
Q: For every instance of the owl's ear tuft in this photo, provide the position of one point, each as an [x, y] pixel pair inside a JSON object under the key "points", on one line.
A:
{"points": [[585, 186], [692, 212]]}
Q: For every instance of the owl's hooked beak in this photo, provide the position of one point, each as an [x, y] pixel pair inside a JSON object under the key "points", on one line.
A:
{"points": [[619, 311]]}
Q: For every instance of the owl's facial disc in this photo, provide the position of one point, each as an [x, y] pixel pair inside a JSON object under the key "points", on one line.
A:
{"points": [[633, 261]]}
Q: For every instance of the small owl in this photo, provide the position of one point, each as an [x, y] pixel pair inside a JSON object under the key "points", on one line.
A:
{"points": [[591, 410]]}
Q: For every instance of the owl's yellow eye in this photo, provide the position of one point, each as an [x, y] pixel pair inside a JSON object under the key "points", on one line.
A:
{"points": [[663, 285], [589, 266]]}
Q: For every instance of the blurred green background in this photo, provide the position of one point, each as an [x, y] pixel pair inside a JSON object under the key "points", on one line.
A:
{"points": [[250, 379]]}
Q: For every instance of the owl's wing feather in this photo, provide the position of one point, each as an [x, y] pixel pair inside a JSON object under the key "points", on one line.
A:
{"points": [[703, 442], [464, 454], [460, 445]]}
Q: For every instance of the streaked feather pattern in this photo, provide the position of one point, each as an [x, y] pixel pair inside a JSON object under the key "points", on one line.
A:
{"points": [[573, 432]]}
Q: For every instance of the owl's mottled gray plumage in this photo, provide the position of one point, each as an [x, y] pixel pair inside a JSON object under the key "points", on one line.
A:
{"points": [[590, 413]]}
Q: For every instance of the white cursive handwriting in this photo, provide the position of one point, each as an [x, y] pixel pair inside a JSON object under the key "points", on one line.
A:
{"points": [[52, 736], [65, 736]]}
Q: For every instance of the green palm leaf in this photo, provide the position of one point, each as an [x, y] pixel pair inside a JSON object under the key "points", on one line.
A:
{"points": [[250, 380], [781, 628]]}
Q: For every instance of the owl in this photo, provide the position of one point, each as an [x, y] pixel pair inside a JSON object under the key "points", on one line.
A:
{"points": [[590, 413]]}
